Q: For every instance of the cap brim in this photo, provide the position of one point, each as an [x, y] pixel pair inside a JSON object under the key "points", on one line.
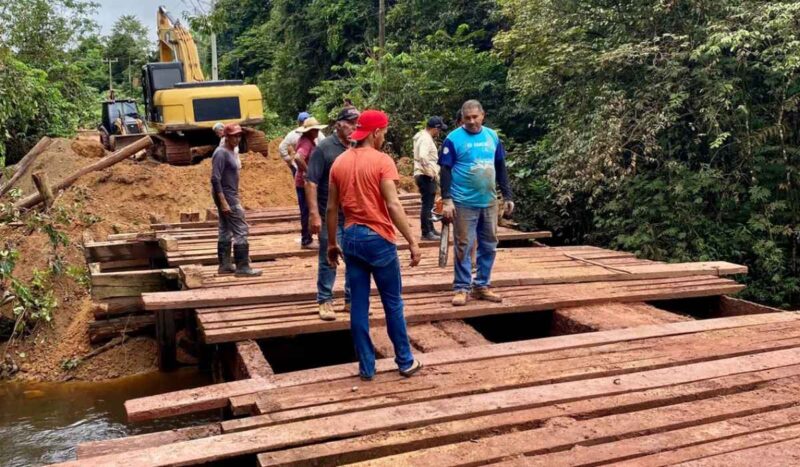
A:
{"points": [[236, 133], [359, 134]]}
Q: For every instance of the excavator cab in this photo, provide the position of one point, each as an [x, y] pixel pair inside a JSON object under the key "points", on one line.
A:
{"points": [[182, 106]]}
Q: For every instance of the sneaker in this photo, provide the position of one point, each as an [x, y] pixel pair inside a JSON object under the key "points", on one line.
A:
{"points": [[366, 378], [326, 312], [431, 237], [460, 298], [483, 293], [415, 367], [313, 245]]}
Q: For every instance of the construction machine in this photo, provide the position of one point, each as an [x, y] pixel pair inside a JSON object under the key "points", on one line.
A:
{"points": [[183, 107], [121, 123]]}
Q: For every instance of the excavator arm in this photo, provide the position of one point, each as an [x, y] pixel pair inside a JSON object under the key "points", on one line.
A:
{"points": [[177, 45]]}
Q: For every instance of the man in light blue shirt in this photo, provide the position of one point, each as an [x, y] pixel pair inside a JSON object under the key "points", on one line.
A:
{"points": [[473, 165]]}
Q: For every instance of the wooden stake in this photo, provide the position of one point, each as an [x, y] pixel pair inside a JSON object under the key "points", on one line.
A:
{"points": [[43, 187]]}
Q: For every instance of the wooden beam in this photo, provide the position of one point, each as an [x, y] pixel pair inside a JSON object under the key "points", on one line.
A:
{"points": [[251, 359], [422, 413], [160, 438], [166, 333]]}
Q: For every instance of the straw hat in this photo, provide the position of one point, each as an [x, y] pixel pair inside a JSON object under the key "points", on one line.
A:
{"points": [[311, 123]]}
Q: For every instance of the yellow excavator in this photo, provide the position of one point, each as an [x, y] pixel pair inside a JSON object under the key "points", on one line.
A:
{"points": [[183, 107]]}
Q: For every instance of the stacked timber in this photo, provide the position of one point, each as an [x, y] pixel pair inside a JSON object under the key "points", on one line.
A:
{"points": [[714, 392], [120, 271]]}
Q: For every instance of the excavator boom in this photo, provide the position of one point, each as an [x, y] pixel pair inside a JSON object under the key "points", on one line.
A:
{"points": [[176, 44]]}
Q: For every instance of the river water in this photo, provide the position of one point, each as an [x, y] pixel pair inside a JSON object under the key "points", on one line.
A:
{"points": [[42, 423]]}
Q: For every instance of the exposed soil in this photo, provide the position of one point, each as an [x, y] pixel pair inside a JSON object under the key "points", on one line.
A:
{"points": [[121, 198]]}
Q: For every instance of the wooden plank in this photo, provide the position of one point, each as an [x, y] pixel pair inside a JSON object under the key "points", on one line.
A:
{"points": [[448, 381], [103, 292], [262, 293], [25, 163], [422, 413], [370, 446], [160, 438], [216, 396], [607, 316], [703, 416], [703, 434], [201, 399], [601, 292]]}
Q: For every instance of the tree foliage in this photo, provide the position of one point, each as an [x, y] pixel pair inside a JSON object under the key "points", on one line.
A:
{"points": [[670, 128]]}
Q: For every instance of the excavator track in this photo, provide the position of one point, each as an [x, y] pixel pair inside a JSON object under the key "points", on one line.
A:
{"points": [[172, 150], [256, 141]]}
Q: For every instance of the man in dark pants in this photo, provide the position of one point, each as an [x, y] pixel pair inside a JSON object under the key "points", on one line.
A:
{"points": [[426, 172], [364, 185], [225, 168], [317, 177]]}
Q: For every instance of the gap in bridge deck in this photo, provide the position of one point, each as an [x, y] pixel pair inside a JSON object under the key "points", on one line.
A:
{"points": [[514, 326], [307, 351]]}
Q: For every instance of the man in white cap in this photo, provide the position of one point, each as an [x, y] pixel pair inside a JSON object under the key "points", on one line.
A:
{"points": [[308, 132], [288, 146]]}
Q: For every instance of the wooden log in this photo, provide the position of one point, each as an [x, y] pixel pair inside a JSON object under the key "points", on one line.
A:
{"points": [[216, 396], [118, 156], [117, 306], [168, 243], [107, 329], [423, 413], [24, 164], [43, 187]]}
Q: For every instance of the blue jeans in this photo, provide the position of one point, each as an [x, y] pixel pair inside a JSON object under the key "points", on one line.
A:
{"points": [[305, 234], [368, 255], [326, 275], [470, 223]]}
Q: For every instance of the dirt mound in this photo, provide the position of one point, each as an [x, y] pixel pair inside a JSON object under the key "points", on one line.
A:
{"points": [[118, 199], [88, 147]]}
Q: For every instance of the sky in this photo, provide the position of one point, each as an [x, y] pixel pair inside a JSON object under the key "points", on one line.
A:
{"points": [[145, 10]]}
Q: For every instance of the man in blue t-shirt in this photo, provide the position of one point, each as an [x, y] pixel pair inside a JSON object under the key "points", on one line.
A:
{"points": [[473, 164]]}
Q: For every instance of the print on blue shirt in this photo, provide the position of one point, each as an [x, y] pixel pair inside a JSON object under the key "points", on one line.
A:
{"points": [[472, 159]]}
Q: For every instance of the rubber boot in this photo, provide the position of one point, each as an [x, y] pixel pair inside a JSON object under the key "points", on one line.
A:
{"points": [[225, 260], [241, 254]]}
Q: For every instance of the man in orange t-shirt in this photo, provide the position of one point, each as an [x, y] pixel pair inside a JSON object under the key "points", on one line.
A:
{"points": [[363, 181]]}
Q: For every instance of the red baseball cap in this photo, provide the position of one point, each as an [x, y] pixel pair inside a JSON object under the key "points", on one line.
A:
{"points": [[369, 121], [232, 129]]}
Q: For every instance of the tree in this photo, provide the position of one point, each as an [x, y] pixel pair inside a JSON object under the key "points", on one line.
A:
{"points": [[129, 46], [670, 128]]}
